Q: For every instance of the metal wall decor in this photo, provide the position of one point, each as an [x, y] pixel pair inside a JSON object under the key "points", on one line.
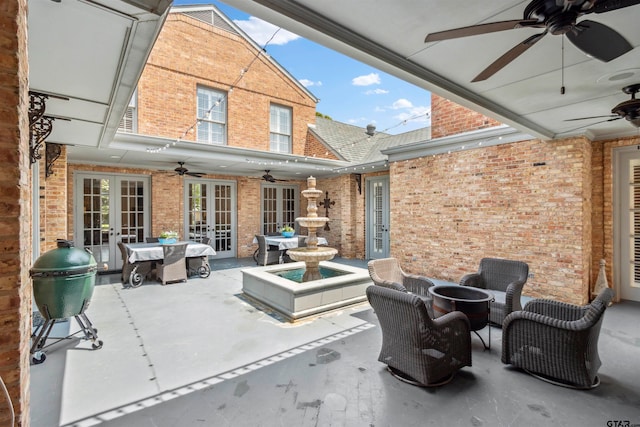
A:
{"points": [[327, 203], [40, 125], [52, 152]]}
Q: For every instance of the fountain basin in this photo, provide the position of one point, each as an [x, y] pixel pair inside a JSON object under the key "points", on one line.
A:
{"points": [[299, 300]]}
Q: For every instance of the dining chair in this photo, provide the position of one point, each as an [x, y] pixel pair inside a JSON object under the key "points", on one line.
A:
{"points": [[127, 267], [152, 240], [199, 265], [264, 256], [173, 267]]}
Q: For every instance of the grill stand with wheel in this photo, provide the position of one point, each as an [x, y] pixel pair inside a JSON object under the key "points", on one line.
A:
{"points": [[41, 334]]}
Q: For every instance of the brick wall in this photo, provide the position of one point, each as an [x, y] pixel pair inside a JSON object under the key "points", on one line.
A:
{"points": [[347, 216], [450, 210], [167, 201], [53, 206], [338, 190], [315, 148], [189, 53], [15, 212], [449, 118]]}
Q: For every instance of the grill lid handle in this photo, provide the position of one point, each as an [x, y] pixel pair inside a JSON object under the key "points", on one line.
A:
{"points": [[62, 243]]}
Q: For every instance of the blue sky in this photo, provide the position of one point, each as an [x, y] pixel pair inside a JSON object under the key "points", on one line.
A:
{"points": [[349, 91]]}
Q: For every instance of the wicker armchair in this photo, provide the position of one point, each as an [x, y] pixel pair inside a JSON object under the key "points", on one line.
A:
{"points": [[262, 255], [505, 276], [556, 341], [388, 273], [416, 348], [173, 267]]}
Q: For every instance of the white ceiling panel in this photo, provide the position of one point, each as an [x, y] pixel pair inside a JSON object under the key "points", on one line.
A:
{"points": [[524, 94]]}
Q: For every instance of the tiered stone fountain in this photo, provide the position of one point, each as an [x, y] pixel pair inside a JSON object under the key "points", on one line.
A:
{"points": [[325, 285], [312, 254]]}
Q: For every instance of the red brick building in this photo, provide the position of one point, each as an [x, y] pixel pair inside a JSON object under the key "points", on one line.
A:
{"points": [[439, 204]]}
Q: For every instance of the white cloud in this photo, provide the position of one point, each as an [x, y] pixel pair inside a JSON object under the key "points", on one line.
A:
{"points": [[401, 104], [261, 31], [308, 83], [376, 92], [369, 79], [415, 114]]}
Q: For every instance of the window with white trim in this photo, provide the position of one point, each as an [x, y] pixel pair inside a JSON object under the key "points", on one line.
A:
{"points": [[280, 129], [212, 116]]}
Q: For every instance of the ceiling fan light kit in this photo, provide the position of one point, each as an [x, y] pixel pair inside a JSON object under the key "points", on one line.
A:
{"points": [[181, 171], [557, 18], [269, 178], [629, 109]]}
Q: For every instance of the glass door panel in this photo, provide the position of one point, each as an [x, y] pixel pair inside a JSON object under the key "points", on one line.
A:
{"points": [[279, 207], [97, 231], [211, 213], [378, 218], [132, 208], [109, 208]]}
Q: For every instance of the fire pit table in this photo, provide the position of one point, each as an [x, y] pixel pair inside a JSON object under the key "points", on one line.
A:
{"points": [[473, 302]]}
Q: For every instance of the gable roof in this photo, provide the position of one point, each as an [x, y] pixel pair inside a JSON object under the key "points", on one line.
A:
{"points": [[213, 16], [353, 144]]}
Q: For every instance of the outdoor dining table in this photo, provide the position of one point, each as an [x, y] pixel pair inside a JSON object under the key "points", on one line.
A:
{"points": [[284, 243], [145, 252]]}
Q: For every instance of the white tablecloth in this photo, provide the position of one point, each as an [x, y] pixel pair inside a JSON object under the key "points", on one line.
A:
{"points": [[153, 251], [284, 243]]}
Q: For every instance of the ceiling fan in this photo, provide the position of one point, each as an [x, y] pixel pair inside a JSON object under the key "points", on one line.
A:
{"points": [[629, 109], [558, 17], [181, 171], [269, 178]]}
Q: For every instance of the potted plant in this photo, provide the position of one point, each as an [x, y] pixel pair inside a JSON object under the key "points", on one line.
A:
{"points": [[167, 237], [287, 231]]}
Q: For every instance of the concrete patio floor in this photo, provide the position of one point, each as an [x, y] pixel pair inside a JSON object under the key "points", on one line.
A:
{"points": [[200, 354]]}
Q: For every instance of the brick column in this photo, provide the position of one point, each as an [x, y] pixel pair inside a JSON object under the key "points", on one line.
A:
{"points": [[15, 209], [53, 202]]}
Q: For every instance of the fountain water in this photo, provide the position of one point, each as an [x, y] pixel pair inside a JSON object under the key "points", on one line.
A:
{"points": [[345, 285]]}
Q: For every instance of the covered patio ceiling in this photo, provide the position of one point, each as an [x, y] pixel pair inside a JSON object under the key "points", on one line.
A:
{"points": [[86, 57], [525, 94]]}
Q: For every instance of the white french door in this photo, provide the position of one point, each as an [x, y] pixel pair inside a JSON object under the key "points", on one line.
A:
{"points": [[279, 207], [628, 223], [378, 217], [211, 212], [109, 208]]}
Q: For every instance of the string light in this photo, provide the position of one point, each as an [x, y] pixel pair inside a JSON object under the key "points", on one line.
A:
{"points": [[220, 100]]}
